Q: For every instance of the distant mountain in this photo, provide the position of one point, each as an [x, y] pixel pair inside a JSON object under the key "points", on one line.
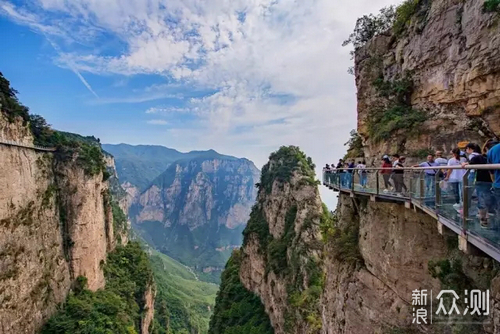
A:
{"points": [[195, 209], [139, 165]]}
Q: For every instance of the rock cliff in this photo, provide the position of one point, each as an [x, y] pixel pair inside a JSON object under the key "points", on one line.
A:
{"points": [[450, 52], [56, 223]]}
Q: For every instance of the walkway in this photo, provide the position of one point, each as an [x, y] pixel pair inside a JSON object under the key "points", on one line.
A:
{"points": [[426, 195], [33, 147]]}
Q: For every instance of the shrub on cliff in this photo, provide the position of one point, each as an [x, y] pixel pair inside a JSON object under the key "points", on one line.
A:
{"points": [[115, 309], [390, 19], [283, 164], [354, 146], [9, 104], [396, 112], [491, 6]]}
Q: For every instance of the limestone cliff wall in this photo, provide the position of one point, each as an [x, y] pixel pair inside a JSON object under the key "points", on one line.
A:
{"points": [[53, 228], [223, 188], [149, 309], [453, 53], [34, 274], [255, 273]]}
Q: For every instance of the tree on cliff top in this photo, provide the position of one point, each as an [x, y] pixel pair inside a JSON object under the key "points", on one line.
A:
{"points": [[283, 164], [9, 104], [389, 20]]}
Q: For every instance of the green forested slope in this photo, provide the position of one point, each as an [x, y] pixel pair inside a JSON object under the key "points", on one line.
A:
{"points": [[116, 309], [183, 304]]}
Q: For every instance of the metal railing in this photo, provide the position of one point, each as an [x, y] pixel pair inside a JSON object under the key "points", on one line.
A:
{"points": [[34, 147], [466, 206]]}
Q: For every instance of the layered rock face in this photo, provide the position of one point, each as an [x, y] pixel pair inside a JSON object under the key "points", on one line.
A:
{"points": [[149, 309], [452, 50], [196, 210], [53, 228]]}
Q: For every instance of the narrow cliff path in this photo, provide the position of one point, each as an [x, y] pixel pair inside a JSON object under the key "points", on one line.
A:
{"points": [[33, 147]]}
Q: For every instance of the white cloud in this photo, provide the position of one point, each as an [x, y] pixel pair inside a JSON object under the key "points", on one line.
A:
{"points": [[157, 122], [280, 75]]}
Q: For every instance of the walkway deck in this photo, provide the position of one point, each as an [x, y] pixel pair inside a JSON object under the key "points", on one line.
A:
{"points": [[33, 147], [440, 207]]}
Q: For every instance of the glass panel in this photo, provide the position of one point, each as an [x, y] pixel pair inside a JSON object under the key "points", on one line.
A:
{"points": [[385, 182], [450, 206], [346, 180], [483, 218], [429, 189]]}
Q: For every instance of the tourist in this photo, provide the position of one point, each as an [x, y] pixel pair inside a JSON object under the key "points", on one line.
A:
{"points": [[327, 174], [350, 173], [363, 177], [441, 162], [455, 177], [461, 146], [492, 151], [386, 172], [404, 189], [397, 174], [430, 175], [340, 171], [480, 180]]}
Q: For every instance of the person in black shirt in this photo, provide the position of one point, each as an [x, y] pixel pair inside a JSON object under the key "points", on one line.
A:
{"points": [[480, 180], [340, 171]]}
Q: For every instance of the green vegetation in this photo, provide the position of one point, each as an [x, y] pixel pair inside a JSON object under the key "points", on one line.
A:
{"points": [[283, 164], [119, 218], [421, 153], [397, 19], [369, 26], [354, 146], [450, 274], [87, 150], [452, 277], [183, 304], [9, 104], [116, 309], [288, 256], [238, 310], [396, 113], [491, 6], [406, 12]]}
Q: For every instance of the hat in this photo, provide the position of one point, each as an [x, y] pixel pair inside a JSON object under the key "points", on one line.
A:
{"points": [[385, 156], [461, 145]]}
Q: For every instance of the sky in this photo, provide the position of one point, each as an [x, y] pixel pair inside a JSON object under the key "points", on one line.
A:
{"points": [[242, 77]]}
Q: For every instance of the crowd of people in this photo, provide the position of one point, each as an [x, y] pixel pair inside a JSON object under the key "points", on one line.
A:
{"points": [[483, 184]]}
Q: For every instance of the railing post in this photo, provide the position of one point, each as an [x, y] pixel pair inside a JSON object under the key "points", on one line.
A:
{"points": [[465, 199], [437, 191], [378, 182], [412, 176], [352, 180], [422, 185]]}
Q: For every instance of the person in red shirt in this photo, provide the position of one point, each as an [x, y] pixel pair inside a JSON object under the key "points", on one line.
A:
{"points": [[386, 172]]}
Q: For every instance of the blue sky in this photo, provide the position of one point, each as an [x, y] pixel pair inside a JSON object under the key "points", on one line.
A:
{"points": [[242, 77]]}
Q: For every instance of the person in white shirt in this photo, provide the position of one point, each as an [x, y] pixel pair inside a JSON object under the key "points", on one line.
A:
{"points": [[455, 177], [363, 177]]}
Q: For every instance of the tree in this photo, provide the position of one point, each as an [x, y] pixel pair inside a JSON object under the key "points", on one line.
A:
{"points": [[369, 26]]}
